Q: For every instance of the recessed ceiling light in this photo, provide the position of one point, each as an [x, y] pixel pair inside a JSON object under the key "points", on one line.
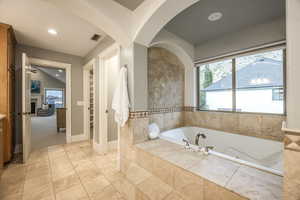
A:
{"points": [[60, 70], [57, 75], [215, 16], [52, 31]]}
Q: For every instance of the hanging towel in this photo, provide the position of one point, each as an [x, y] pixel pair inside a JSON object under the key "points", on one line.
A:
{"points": [[120, 103]]}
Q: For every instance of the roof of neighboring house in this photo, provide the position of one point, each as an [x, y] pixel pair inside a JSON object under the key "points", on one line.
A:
{"points": [[265, 72]]}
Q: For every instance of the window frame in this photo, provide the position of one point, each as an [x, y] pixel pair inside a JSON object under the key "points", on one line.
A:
{"points": [[234, 89], [60, 89]]}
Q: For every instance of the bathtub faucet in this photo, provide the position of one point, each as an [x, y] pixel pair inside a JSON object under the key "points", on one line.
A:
{"points": [[202, 135], [187, 143]]}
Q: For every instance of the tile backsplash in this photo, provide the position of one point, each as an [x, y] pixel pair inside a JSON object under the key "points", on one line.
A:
{"points": [[257, 125]]}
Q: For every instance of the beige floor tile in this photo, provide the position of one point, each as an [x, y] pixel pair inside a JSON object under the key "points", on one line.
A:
{"points": [[42, 192], [55, 148], [141, 196], [56, 154], [113, 175], [10, 188], [14, 173], [136, 174], [63, 173], [38, 156], [76, 156], [96, 185], [34, 172], [108, 193], [38, 164], [51, 173], [154, 188], [124, 187], [85, 164], [32, 183], [174, 196], [65, 183], [89, 174], [74, 193], [12, 197]]}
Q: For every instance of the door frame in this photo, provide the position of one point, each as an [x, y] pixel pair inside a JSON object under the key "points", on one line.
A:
{"points": [[115, 49], [91, 65], [68, 92], [26, 128]]}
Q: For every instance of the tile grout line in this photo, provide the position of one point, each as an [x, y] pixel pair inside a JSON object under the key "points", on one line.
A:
{"points": [[81, 183], [22, 193], [226, 184], [51, 175]]}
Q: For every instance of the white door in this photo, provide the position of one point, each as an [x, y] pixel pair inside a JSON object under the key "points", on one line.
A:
{"points": [[26, 107], [108, 75], [103, 106], [112, 69]]}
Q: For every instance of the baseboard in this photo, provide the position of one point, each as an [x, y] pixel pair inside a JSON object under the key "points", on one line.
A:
{"points": [[78, 138]]}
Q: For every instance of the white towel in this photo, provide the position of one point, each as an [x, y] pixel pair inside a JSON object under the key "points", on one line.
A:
{"points": [[120, 103]]}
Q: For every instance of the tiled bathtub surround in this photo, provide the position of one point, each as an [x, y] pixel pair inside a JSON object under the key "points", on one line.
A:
{"points": [[190, 174], [165, 79], [291, 166], [257, 125], [160, 170]]}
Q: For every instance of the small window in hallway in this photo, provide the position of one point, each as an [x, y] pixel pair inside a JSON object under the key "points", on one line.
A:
{"points": [[54, 96]]}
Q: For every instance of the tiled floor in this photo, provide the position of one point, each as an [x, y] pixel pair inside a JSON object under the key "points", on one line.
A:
{"points": [[63, 172]]}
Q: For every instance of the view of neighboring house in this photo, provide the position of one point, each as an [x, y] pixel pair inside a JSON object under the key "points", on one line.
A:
{"points": [[259, 86]]}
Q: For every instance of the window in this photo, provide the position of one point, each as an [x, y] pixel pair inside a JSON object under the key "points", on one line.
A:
{"points": [[252, 83], [213, 87], [278, 94], [54, 96]]}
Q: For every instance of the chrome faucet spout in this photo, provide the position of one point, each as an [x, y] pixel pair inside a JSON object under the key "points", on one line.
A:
{"points": [[202, 135]]}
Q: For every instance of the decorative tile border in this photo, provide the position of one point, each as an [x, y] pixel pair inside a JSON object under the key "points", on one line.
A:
{"points": [[292, 142], [148, 113]]}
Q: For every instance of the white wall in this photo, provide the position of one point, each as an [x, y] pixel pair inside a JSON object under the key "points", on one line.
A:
{"points": [[244, 39], [135, 57], [259, 101], [293, 68]]}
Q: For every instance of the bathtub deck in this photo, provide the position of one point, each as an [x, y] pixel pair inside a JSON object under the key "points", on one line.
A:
{"points": [[243, 180]]}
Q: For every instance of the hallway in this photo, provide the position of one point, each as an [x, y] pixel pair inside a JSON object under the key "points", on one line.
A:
{"points": [[63, 172], [44, 132]]}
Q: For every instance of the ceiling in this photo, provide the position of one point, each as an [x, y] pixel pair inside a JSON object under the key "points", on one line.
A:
{"points": [[31, 20], [193, 25], [130, 4], [54, 73]]}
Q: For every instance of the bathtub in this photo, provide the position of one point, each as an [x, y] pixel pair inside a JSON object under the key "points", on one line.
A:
{"points": [[263, 154]]}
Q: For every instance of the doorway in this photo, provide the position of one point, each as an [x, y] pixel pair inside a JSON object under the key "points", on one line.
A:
{"points": [[89, 86], [48, 112], [109, 66], [46, 104]]}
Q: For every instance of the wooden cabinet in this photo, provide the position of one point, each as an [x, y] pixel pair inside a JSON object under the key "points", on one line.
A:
{"points": [[7, 77], [60, 118], [1, 144]]}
